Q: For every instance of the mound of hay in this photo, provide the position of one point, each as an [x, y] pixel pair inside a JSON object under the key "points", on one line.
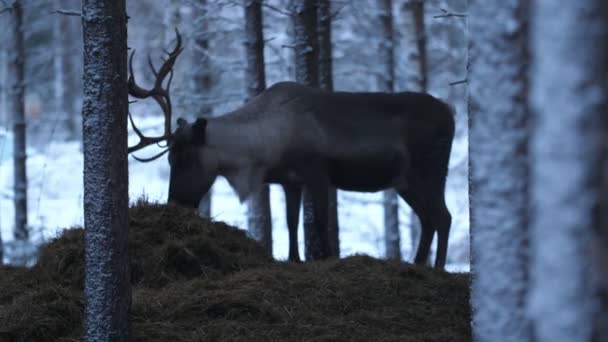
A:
{"points": [[196, 280]]}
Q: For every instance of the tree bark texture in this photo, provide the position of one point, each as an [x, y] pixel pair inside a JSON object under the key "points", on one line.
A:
{"points": [[306, 54], [105, 107], [16, 70]]}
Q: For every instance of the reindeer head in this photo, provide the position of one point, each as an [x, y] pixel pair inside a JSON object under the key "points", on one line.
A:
{"points": [[193, 166]]}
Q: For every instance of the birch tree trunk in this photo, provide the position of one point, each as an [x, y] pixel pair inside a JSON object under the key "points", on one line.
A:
{"points": [[258, 214], [498, 162], [326, 83], [569, 94], [306, 54], [202, 78], [17, 110], [386, 53], [105, 107]]}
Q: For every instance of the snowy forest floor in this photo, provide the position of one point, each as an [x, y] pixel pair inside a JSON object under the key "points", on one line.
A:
{"points": [[195, 279]]}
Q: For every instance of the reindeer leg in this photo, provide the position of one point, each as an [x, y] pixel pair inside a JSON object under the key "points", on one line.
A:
{"points": [[442, 220], [413, 197], [293, 194]]}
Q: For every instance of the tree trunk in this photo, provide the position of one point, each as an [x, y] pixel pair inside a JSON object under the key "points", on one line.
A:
{"points": [[498, 162], [201, 79], [417, 31], [3, 80], [17, 110], [392, 239], [62, 69], [104, 111], [306, 54], [569, 94], [258, 213], [326, 83], [3, 107]]}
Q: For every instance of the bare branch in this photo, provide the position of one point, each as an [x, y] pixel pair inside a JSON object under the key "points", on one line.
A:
{"points": [[448, 14], [458, 82], [69, 12], [276, 9]]}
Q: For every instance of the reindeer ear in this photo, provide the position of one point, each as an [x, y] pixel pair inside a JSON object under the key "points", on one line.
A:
{"points": [[181, 122], [198, 131]]}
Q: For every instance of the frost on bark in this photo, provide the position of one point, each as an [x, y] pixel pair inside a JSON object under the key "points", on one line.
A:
{"points": [[326, 82], [104, 111], [392, 240], [202, 80], [567, 301], [258, 212], [306, 54], [17, 112], [498, 162]]}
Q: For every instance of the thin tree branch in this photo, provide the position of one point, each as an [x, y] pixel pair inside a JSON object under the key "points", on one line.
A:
{"points": [[459, 82], [448, 14], [69, 12]]}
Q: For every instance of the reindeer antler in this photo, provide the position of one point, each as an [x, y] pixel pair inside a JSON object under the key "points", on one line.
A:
{"points": [[158, 93]]}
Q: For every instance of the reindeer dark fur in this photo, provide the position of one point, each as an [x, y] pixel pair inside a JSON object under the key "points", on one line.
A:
{"points": [[298, 136]]}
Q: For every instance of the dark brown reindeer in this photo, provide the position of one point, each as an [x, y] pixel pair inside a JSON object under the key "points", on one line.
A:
{"points": [[299, 136]]}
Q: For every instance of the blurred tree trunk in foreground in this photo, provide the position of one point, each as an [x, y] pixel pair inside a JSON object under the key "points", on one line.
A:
{"points": [[498, 162], [569, 171]]}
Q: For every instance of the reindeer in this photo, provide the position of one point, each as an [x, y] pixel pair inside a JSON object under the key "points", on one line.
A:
{"points": [[303, 137]]}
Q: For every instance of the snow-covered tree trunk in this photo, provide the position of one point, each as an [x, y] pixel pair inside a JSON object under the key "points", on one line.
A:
{"points": [[258, 214], [17, 111], [202, 77], [306, 54], [326, 82], [498, 161], [569, 96], [104, 111], [386, 54]]}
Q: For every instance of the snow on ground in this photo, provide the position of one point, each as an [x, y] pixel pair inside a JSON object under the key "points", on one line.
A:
{"points": [[56, 190]]}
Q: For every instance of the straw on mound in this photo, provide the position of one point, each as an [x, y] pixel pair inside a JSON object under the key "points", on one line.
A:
{"points": [[197, 280]]}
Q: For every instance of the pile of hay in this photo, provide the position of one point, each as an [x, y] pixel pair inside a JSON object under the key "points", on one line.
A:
{"points": [[196, 280]]}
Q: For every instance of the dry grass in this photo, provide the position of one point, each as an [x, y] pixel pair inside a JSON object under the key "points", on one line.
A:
{"points": [[196, 280]]}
